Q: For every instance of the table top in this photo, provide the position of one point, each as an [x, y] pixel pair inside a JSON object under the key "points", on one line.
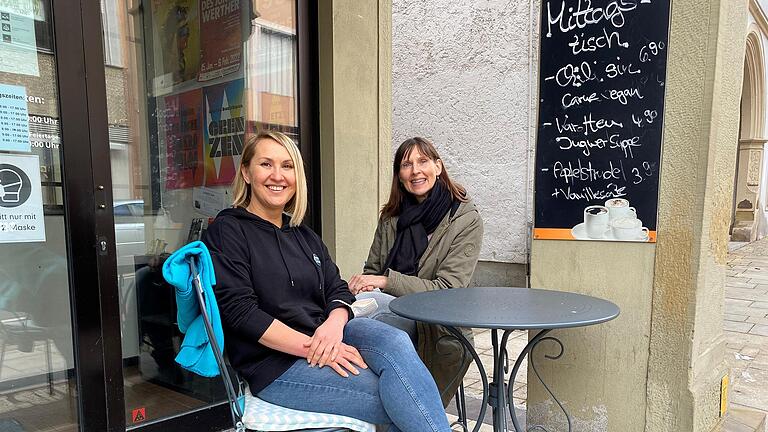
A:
{"points": [[505, 308]]}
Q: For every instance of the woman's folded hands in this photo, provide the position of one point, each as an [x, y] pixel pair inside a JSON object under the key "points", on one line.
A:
{"points": [[364, 283], [325, 347]]}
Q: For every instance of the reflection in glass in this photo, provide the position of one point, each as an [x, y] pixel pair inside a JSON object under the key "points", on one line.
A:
{"points": [[37, 385], [187, 82]]}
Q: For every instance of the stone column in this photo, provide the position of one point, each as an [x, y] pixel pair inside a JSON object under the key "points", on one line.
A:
{"points": [[658, 367], [355, 103]]}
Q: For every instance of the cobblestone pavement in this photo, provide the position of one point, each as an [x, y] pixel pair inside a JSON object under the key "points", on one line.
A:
{"points": [[746, 325]]}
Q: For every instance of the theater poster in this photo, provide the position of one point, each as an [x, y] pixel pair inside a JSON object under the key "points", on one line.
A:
{"points": [[184, 140], [224, 136], [176, 31], [222, 40]]}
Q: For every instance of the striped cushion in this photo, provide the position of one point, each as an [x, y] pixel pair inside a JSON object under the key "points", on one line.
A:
{"points": [[261, 415]]}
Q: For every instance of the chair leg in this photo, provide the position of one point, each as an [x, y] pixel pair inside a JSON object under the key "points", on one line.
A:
{"points": [[50, 366], [461, 409], [2, 354]]}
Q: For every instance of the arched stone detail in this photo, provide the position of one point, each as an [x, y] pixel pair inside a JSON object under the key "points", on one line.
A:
{"points": [[749, 175], [754, 69]]}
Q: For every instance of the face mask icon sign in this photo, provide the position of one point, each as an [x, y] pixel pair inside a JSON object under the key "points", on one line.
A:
{"points": [[15, 186]]}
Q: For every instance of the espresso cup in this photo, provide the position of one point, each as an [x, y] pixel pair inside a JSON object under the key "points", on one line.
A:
{"points": [[596, 221], [628, 228], [619, 208]]}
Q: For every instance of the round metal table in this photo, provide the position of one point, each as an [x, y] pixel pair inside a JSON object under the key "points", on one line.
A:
{"points": [[505, 309]]}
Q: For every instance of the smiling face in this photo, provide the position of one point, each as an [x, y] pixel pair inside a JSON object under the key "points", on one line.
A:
{"points": [[271, 177], [418, 173]]}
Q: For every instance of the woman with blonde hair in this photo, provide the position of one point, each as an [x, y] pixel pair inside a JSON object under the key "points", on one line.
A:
{"points": [[428, 238], [285, 309]]}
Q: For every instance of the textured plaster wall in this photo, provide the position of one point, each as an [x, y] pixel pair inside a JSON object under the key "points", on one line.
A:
{"points": [[463, 75], [354, 97]]}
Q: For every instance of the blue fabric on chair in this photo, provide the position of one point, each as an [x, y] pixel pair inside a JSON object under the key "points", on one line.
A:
{"points": [[196, 353], [261, 415]]}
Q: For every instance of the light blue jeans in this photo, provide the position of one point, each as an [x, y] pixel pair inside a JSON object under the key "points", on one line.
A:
{"points": [[383, 314], [395, 390]]}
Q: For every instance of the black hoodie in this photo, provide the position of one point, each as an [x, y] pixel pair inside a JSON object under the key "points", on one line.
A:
{"points": [[265, 273]]}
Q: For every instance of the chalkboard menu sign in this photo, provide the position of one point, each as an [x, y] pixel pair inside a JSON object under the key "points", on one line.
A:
{"points": [[601, 110]]}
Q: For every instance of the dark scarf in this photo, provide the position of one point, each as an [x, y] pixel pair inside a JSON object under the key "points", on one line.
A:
{"points": [[416, 221]]}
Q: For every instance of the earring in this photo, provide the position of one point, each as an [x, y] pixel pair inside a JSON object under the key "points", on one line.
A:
{"points": [[438, 177]]}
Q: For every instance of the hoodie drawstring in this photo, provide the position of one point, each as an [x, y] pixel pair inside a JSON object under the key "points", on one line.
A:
{"points": [[280, 248]]}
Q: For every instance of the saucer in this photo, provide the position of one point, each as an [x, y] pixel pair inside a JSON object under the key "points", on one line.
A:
{"points": [[579, 232]]}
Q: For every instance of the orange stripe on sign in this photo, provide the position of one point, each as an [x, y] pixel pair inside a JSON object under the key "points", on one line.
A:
{"points": [[565, 234], [552, 234]]}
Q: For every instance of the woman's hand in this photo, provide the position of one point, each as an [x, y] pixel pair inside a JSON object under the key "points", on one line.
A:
{"points": [[347, 359], [363, 283], [325, 343]]}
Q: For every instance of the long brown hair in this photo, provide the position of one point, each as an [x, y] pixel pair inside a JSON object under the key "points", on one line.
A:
{"points": [[398, 191]]}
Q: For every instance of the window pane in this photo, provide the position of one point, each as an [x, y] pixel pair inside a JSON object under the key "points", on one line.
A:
{"points": [[196, 81], [37, 375]]}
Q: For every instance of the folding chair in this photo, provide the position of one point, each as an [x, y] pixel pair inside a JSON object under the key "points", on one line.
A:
{"points": [[250, 413]]}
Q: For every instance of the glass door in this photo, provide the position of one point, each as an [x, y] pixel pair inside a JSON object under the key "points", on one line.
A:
{"points": [[37, 359], [187, 82]]}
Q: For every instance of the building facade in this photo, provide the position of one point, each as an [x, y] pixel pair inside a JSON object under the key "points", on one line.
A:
{"points": [[135, 113], [121, 129]]}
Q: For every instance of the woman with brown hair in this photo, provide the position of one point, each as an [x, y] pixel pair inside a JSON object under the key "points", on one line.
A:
{"points": [[428, 238], [285, 309]]}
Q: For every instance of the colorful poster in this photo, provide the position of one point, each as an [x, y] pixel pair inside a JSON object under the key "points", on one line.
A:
{"points": [[176, 42], [14, 123], [18, 45], [224, 131], [21, 199], [183, 140], [222, 43]]}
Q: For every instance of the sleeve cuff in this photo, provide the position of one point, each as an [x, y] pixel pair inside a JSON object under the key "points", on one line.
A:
{"points": [[257, 324], [335, 304], [394, 283]]}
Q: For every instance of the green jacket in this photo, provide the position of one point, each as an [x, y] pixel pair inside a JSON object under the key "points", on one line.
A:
{"points": [[448, 262]]}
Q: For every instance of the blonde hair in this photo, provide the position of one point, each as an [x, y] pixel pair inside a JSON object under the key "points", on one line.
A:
{"points": [[297, 205]]}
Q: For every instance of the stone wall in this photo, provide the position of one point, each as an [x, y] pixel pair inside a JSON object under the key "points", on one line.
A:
{"points": [[463, 75]]}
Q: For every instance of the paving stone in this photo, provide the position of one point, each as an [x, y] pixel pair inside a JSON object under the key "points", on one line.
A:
{"points": [[755, 277], [737, 318], [758, 329], [760, 305], [744, 310], [745, 293], [737, 302], [749, 389], [732, 282], [742, 419], [750, 351], [737, 326]]}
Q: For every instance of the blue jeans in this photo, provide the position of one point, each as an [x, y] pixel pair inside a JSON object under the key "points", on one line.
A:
{"points": [[396, 389], [383, 314]]}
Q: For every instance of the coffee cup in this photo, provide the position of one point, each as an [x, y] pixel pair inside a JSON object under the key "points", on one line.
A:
{"points": [[619, 208], [628, 228], [596, 221]]}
